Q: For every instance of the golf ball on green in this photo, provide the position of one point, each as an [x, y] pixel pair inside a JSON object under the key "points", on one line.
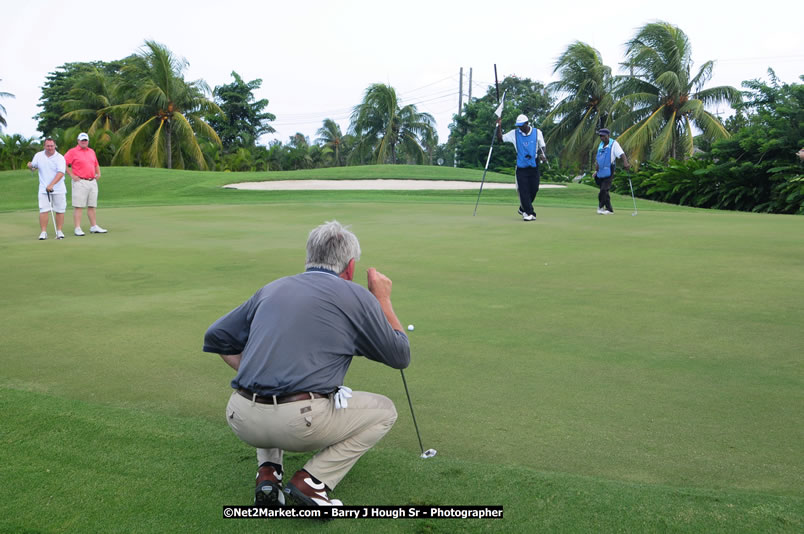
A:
{"points": [[410, 327]]}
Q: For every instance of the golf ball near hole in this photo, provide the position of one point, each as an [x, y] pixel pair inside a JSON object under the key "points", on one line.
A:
{"points": [[410, 327]]}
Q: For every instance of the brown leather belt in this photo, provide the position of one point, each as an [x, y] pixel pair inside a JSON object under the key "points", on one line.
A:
{"points": [[88, 179], [293, 397]]}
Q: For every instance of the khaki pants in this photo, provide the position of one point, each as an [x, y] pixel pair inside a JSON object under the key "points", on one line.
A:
{"points": [[85, 193], [341, 437]]}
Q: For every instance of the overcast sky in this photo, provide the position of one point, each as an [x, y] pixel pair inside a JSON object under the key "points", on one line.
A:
{"points": [[316, 58]]}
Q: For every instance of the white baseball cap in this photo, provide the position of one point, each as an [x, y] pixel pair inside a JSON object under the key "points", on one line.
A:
{"points": [[521, 119], [83, 136]]}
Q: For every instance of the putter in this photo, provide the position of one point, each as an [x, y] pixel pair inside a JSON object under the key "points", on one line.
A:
{"points": [[429, 453], [52, 217], [632, 198]]}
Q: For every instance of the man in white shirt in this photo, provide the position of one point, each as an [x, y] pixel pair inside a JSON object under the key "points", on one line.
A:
{"points": [[52, 191], [529, 144], [608, 151]]}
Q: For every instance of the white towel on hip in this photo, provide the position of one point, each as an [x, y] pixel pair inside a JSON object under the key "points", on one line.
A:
{"points": [[341, 395]]}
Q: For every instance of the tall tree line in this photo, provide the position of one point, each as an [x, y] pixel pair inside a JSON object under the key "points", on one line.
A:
{"points": [[138, 111], [141, 111]]}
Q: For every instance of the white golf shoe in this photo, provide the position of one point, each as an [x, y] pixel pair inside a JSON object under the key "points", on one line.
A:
{"points": [[78, 231], [607, 212], [59, 234], [42, 236], [600, 211], [97, 230], [527, 217]]}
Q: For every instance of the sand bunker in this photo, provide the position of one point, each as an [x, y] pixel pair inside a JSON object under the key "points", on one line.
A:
{"points": [[345, 185]]}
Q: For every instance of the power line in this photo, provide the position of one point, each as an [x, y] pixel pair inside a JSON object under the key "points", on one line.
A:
{"points": [[313, 117], [436, 98], [798, 57]]}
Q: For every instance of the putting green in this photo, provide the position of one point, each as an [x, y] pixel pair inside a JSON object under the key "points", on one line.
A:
{"points": [[662, 350], [624, 340]]}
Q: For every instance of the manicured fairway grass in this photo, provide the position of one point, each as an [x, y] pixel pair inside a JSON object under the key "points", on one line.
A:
{"points": [[588, 373]]}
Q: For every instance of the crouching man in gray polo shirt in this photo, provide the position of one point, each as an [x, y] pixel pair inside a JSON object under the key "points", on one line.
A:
{"points": [[291, 344]]}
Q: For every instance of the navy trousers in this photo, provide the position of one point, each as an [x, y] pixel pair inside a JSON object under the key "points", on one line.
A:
{"points": [[603, 198], [527, 184]]}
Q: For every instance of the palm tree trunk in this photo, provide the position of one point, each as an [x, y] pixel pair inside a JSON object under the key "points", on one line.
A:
{"points": [[168, 147]]}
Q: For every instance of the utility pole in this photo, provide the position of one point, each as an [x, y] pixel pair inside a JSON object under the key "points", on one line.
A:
{"points": [[460, 105], [460, 91], [469, 99]]}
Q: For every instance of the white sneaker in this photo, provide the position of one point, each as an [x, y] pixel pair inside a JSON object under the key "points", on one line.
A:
{"points": [[42, 236], [78, 231], [527, 217], [59, 234], [97, 230]]}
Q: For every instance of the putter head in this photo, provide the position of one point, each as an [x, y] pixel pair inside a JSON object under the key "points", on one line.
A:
{"points": [[429, 453]]}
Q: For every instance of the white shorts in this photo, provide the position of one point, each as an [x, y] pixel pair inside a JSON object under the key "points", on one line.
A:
{"points": [[85, 193], [59, 202]]}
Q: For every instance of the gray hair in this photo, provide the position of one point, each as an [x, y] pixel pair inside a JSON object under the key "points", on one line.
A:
{"points": [[331, 246]]}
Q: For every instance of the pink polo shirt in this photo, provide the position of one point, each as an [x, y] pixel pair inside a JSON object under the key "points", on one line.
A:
{"points": [[83, 161]]}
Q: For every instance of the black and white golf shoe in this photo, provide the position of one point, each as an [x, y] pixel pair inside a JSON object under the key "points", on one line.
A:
{"points": [[268, 492]]}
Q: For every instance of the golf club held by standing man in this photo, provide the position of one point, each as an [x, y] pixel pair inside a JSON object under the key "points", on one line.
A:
{"points": [[52, 191]]}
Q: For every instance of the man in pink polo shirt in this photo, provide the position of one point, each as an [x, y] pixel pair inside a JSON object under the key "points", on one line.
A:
{"points": [[83, 168]]}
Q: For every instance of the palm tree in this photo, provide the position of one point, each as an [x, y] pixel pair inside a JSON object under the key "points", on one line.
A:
{"points": [[330, 135], [3, 109], [430, 145], [89, 102], [166, 116], [662, 101], [297, 153], [587, 86], [16, 150], [381, 125], [88, 107]]}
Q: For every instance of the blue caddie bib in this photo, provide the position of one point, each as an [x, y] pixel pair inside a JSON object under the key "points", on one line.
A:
{"points": [[526, 147], [604, 164]]}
